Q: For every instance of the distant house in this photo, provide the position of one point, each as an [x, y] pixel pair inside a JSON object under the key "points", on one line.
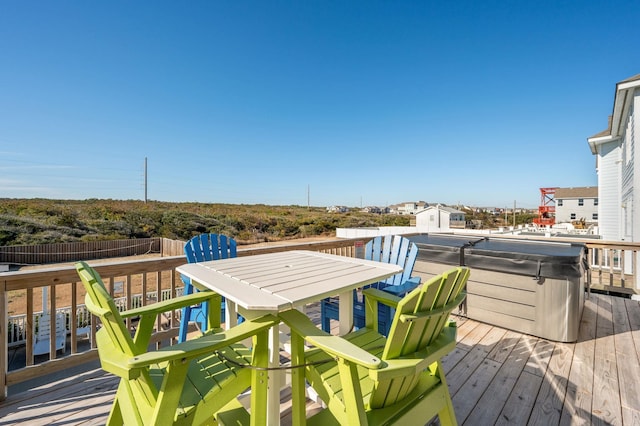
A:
{"points": [[618, 166], [491, 210], [337, 209], [576, 204], [409, 208], [374, 209], [439, 219]]}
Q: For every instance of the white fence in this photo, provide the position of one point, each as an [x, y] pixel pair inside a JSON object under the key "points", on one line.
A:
{"points": [[17, 331]]}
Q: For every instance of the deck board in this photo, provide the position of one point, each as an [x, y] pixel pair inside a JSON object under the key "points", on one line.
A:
{"points": [[496, 376], [579, 395], [606, 408], [548, 406], [492, 402]]}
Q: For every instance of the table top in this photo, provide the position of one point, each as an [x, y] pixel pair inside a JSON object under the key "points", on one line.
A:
{"points": [[285, 280]]}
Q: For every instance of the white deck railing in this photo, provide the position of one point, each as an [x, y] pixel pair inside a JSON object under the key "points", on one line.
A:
{"points": [[17, 330]]}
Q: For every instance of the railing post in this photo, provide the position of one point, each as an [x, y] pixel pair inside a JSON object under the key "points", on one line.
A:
{"points": [[4, 341]]}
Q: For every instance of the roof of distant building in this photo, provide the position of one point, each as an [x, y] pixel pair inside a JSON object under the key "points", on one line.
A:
{"points": [[443, 208], [578, 192]]}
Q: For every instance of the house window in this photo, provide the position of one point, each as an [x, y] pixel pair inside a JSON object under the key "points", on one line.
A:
{"points": [[559, 202], [581, 201], [594, 216], [573, 216], [595, 201]]}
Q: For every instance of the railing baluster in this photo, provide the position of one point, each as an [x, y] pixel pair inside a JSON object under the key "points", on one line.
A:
{"points": [[30, 328], [623, 255], [73, 318]]}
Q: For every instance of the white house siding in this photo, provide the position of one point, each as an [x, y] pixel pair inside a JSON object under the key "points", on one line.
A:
{"points": [[374, 232], [632, 133], [609, 191], [433, 219], [618, 179], [571, 206]]}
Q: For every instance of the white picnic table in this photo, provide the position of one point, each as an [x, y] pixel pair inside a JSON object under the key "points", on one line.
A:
{"points": [[276, 282]]}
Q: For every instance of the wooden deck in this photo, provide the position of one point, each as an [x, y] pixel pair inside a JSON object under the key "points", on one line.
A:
{"points": [[495, 376]]}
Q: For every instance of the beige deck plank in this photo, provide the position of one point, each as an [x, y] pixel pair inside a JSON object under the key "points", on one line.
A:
{"points": [[625, 355], [606, 408], [462, 372], [540, 356], [481, 340], [466, 398], [579, 396], [630, 416], [633, 311], [548, 407], [50, 401], [505, 346], [492, 402], [464, 328], [475, 335], [518, 407], [468, 394]]}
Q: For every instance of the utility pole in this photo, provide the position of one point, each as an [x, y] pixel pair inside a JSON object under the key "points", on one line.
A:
{"points": [[308, 196], [145, 179], [514, 213]]}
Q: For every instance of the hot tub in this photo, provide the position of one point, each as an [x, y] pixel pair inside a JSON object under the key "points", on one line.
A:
{"points": [[524, 285]]}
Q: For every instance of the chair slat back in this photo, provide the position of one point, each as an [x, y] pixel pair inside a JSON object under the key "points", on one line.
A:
{"points": [[205, 247], [100, 303], [430, 306], [419, 319], [396, 250]]}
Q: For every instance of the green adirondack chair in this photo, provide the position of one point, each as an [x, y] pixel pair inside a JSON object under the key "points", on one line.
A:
{"points": [[191, 383], [367, 379]]}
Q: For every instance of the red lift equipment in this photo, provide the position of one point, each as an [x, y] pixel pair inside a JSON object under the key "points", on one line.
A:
{"points": [[547, 208]]}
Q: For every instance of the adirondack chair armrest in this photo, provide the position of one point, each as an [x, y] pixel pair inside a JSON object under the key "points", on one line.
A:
{"points": [[204, 345], [404, 288], [171, 304], [382, 296], [332, 345], [419, 361]]}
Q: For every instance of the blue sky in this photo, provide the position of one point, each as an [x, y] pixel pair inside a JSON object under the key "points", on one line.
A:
{"points": [[281, 102]]}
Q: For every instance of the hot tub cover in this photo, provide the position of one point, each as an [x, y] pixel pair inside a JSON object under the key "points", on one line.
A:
{"points": [[446, 249], [532, 258], [523, 257]]}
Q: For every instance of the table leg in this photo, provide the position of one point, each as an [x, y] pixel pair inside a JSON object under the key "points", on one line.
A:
{"points": [[275, 381], [345, 313], [231, 314]]}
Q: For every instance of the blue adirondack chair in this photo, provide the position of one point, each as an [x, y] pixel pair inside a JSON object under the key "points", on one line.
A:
{"points": [[201, 248], [393, 249]]}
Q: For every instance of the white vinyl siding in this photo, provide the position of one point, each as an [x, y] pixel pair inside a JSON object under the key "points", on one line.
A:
{"points": [[609, 191], [629, 176], [570, 209], [632, 233]]}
